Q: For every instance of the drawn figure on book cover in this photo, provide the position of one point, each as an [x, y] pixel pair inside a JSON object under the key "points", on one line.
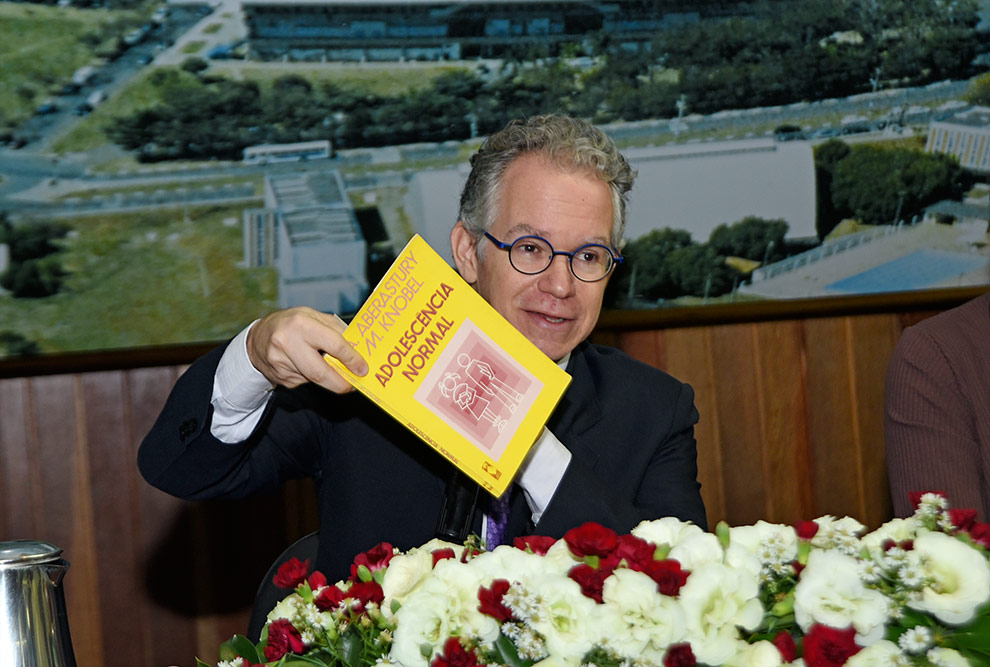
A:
{"points": [[484, 380], [466, 398]]}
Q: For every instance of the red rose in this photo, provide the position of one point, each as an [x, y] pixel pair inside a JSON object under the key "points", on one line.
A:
{"points": [[668, 575], [591, 579], [637, 552], [491, 601], [329, 597], [915, 496], [291, 573], [375, 558], [679, 655], [442, 554], [365, 592], [806, 530], [980, 533], [591, 539], [454, 655], [282, 639], [316, 580], [962, 519], [537, 544], [829, 647], [786, 646]]}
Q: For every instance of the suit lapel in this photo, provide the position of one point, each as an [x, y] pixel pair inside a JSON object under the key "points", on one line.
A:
{"points": [[578, 410]]}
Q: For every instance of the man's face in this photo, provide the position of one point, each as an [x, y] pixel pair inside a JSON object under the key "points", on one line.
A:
{"points": [[553, 309]]}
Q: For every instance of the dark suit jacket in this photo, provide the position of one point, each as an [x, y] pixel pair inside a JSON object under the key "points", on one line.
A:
{"points": [[629, 427]]}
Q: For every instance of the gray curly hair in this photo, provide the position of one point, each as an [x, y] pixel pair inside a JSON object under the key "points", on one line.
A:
{"points": [[567, 143]]}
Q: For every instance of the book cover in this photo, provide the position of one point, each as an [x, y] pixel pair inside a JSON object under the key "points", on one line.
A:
{"points": [[451, 368]]}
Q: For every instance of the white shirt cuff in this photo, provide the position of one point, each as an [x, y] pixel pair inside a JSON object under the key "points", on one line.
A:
{"points": [[240, 393]]}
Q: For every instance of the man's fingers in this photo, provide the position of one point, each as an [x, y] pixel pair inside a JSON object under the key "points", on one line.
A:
{"points": [[288, 348]]}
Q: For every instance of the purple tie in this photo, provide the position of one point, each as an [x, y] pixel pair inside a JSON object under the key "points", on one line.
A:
{"points": [[498, 519]]}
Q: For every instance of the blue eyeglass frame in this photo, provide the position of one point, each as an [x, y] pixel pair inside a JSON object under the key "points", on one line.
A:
{"points": [[616, 259]]}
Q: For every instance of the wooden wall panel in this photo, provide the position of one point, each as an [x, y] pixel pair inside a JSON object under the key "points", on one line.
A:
{"points": [[739, 424], [689, 354], [17, 489], [790, 428], [832, 433], [784, 405]]}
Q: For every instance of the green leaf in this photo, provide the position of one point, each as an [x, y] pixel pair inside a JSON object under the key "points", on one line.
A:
{"points": [[350, 645], [507, 653], [239, 645]]}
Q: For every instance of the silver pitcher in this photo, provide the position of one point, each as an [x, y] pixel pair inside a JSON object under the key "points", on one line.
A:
{"points": [[34, 627]]}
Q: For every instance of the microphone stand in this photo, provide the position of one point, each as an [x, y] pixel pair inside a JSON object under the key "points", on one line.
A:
{"points": [[457, 513]]}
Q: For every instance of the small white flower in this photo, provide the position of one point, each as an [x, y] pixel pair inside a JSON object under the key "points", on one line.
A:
{"points": [[916, 640], [842, 534], [911, 575], [870, 572], [931, 504]]}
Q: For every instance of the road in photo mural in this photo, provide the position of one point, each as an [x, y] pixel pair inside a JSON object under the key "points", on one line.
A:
{"points": [[169, 172]]}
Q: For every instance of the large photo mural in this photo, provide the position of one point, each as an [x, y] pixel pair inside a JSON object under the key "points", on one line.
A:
{"points": [[171, 171]]}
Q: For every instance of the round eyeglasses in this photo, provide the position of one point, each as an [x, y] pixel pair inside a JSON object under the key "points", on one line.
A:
{"points": [[534, 254]]}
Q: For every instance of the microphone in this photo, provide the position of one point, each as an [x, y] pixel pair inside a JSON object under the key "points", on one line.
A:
{"points": [[457, 513]]}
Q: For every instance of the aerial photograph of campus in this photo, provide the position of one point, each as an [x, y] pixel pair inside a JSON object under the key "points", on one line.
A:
{"points": [[170, 171]]}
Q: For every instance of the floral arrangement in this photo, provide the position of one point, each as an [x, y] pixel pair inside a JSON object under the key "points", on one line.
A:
{"points": [[822, 593]]}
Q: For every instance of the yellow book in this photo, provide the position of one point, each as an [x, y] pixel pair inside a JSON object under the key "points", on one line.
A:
{"points": [[451, 368]]}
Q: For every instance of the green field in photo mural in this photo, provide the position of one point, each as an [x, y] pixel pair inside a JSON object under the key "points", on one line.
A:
{"points": [[785, 150]]}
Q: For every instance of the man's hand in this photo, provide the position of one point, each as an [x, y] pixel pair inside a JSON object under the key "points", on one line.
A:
{"points": [[287, 347]]}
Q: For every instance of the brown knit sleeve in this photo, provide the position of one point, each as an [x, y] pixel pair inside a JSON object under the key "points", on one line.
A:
{"points": [[930, 435]]}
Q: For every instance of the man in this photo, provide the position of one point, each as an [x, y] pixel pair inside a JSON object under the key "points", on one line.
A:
{"points": [[540, 217]]}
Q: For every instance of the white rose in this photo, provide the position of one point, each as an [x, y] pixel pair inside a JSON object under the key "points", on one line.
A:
{"points": [[559, 558], [881, 654], [946, 657], [460, 583], [739, 557], [756, 538], [759, 654], [566, 617], [961, 577], [425, 618], [830, 592], [716, 600], [289, 608], [898, 530], [648, 621], [507, 562], [696, 550], [404, 574], [668, 530]]}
